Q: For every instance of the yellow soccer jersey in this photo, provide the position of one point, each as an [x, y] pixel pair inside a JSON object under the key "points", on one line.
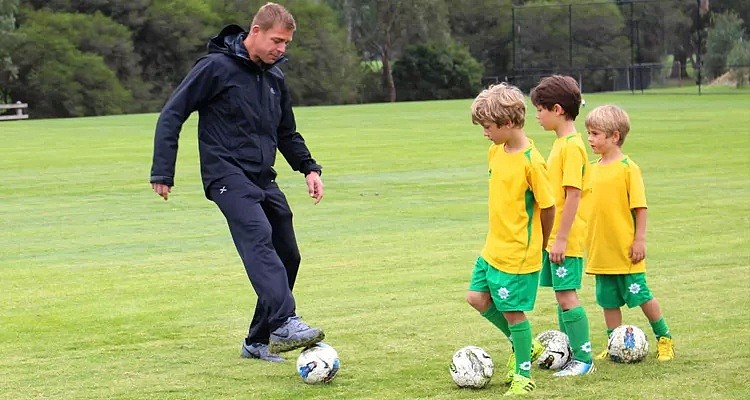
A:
{"points": [[567, 163], [612, 193], [519, 188]]}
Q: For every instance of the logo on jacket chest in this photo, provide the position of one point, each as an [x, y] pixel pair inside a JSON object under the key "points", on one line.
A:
{"points": [[273, 91]]}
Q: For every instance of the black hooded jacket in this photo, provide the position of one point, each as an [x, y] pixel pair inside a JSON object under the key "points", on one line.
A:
{"points": [[245, 114]]}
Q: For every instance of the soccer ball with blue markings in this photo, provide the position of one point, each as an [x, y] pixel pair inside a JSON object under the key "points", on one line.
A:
{"points": [[627, 344], [471, 367], [318, 363]]}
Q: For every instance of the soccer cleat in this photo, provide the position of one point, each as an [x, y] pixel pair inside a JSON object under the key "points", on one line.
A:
{"points": [[520, 385], [536, 350], [294, 334], [665, 349], [604, 355], [259, 351], [576, 367]]}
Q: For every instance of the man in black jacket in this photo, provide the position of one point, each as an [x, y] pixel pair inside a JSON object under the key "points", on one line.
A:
{"points": [[245, 115]]}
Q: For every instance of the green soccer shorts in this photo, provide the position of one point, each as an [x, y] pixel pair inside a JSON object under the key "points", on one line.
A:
{"points": [[565, 276], [614, 291], [510, 292]]}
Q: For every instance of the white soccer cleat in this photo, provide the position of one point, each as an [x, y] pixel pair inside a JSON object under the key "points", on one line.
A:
{"points": [[576, 367]]}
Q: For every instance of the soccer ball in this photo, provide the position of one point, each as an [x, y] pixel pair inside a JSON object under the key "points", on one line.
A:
{"points": [[627, 344], [546, 336], [318, 363], [472, 367], [557, 351]]}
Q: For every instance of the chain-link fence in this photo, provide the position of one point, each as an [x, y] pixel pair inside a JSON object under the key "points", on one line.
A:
{"points": [[637, 78], [622, 45]]}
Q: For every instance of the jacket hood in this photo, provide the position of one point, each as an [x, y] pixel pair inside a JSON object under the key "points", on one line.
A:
{"points": [[229, 42]]}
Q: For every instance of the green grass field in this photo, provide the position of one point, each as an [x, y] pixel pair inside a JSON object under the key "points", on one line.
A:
{"points": [[109, 292]]}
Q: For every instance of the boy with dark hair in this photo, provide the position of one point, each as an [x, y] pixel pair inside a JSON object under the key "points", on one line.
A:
{"points": [[557, 100]]}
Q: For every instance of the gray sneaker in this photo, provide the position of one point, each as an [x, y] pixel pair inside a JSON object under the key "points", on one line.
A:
{"points": [[259, 351], [294, 334]]}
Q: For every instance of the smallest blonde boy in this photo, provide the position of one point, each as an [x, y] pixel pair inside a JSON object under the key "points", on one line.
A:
{"points": [[616, 240], [505, 278]]}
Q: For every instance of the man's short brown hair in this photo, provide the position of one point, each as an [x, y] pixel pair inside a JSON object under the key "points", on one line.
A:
{"points": [[271, 14]]}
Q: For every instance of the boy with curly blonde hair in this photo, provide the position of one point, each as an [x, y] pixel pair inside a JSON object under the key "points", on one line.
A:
{"points": [[521, 211]]}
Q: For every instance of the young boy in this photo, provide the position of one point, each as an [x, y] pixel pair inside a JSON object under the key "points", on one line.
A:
{"points": [[616, 242], [521, 212], [557, 100]]}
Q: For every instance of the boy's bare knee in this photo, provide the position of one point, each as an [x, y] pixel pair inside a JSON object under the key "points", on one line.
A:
{"points": [[481, 301], [514, 317], [567, 299]]}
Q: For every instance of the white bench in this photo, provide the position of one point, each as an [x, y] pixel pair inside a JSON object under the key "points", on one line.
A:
{"points": [[18, 106]]}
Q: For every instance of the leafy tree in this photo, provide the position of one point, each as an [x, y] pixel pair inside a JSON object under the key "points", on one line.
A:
{"points": [[485, 27], [426, 72], [739, 7], [238, 12], [382, 28], [168, 36], [173, 35], [656, 25], [323, 67], [8, 70], [99, 34], [722, 37], [58, 80], [130, 13], [683, 30], [738, 61], [598, 34]]}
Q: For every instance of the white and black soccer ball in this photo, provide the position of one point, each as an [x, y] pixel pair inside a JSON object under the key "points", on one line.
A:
{"points": [[318, 363], [627, 344], [472, 367], [557, 351]]}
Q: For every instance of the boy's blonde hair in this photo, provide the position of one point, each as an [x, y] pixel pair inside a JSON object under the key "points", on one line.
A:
{"points": [[610, 119], [500, 104], [271, 14]]}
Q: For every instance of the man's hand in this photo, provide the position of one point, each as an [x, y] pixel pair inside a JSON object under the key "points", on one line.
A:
{"points": [[164, 190], [314, 186]]}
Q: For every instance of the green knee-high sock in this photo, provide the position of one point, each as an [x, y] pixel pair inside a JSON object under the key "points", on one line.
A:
{"points": [[521, 334], [577, 324], [496, 317], [560, 320], [660, 328]]}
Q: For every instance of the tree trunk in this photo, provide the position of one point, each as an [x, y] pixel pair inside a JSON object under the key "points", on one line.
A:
{"points": [[679, 66], [349, 22], [390, 87]]}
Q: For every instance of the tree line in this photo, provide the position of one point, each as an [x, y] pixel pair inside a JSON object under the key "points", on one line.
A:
{"points": [[70, 58]]}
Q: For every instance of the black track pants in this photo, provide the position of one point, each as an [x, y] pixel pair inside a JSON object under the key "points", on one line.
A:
{"points": [[260, 222]]}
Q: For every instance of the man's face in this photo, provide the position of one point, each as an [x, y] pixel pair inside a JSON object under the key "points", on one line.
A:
{"points": [[268, 46]]}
